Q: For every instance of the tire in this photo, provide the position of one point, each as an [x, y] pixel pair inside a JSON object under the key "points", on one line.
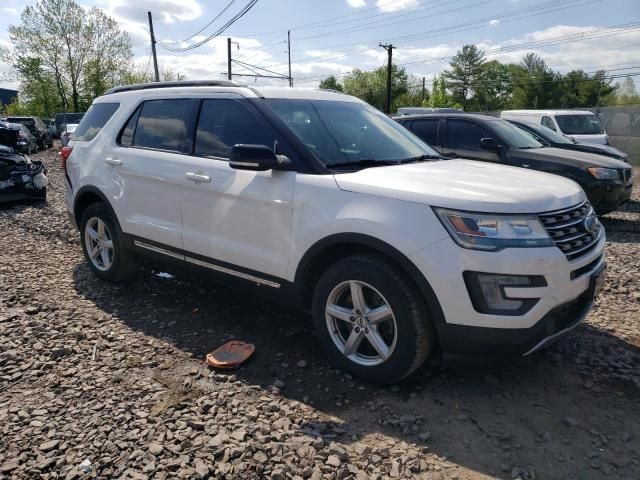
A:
{"points": [[382, 283], [121, 265]]}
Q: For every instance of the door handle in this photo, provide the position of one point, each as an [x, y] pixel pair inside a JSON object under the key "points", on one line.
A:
{"points": [[113, 161], [197, 177]]}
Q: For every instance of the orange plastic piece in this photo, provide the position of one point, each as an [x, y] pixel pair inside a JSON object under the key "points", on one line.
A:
{"points": [[230, 355]]}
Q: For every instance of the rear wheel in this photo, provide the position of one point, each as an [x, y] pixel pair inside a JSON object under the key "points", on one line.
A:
{"points": [[104, 247], [371, 320]]}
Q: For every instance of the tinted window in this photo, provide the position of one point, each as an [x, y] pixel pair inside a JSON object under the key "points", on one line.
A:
{"points": [[427, 130], [162, 124], [93, 121], [512, 136], [224, 123], [126, 136], [579, 124], [464, 135], [547, 122]]}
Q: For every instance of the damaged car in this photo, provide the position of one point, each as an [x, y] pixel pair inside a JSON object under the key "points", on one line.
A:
{"points": [[20, 177]]}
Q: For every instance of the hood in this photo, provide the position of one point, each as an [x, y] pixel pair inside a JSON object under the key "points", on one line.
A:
{"points": [[574, 158], [599, 138], [466, 185], [603, 149]]}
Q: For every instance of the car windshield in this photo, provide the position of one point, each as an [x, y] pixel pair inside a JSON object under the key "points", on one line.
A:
{"points": [[579, 124], [513, 136], [344, 133]]}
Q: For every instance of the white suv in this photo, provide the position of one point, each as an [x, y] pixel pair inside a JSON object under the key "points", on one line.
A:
{"points": [[318, 199]]}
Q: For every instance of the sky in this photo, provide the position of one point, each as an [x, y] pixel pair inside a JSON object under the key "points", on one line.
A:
{"points": [[335, 36]]}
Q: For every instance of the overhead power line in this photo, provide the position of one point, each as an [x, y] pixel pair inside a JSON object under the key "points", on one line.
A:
{"points": [[210, 23], [230, 22]]}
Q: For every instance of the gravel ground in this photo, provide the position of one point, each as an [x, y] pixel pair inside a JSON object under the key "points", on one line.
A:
{"points": [[103, 381]]}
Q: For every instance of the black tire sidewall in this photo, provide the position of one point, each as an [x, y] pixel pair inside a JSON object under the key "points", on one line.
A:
{"points": [[98, 210], [402, 298]]}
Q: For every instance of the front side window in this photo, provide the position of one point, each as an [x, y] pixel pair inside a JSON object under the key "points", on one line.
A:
{"points": [[224, 123], [162, 125], [96, 117], [513, 136], [464, 135], [427, 130], [579, 124], [547, 122], [344, 133]]}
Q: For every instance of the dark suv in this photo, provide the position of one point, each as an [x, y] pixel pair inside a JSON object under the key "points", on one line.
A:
{"points": [[606, 181], [37, 128]]}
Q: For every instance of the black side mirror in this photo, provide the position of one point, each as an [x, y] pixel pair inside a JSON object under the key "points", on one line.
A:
{"points": [[490, 144], [257, 158]]}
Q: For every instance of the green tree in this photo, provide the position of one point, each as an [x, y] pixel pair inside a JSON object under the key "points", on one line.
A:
{"points": [[81, 49], [533, 83], [372, 86], [330, 83], [439, 97], [465, 73], [626, 93], [495, 87]]}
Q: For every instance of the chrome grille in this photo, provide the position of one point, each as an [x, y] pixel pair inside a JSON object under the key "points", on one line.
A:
{"points": [[568, 229]]}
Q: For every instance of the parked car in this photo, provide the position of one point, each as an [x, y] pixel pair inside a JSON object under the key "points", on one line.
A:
{"points": [[50, 123], [27, 143], [582, 126], [67, 133], [317, 199], [20, 177], [419, 110], [63, 119], [607, 182], [550, 138], [37, 129]]}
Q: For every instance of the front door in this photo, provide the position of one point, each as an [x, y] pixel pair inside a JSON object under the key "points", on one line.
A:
{"points": [[462, 139], [235, 218]]}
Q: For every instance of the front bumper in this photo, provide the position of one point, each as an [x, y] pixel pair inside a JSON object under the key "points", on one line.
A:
{"points": [[608, 195], [24, 182], [562, 304]]}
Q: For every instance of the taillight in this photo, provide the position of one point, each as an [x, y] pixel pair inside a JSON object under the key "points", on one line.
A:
{"points": [[64, 155]]}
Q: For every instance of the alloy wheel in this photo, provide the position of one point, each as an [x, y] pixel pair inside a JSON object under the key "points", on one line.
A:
{"points": [[99, 243]]}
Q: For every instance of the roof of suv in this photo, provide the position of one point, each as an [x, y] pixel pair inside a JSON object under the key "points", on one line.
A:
{"points": [[548, 112], [205, 86]]}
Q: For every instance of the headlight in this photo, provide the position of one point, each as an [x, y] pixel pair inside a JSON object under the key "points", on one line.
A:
{"points": [[492, 232], [604, 173]]}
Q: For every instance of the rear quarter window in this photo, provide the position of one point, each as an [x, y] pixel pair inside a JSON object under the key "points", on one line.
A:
{"points": [[96, 117]]}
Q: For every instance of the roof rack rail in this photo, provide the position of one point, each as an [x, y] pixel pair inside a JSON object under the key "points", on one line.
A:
{"points": [[182, 83]]}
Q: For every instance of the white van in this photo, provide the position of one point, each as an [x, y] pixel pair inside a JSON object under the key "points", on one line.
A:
{"points": [[582, 126]]}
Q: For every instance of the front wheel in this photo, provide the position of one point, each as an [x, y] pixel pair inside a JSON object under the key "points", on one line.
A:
{"points": [[103, 245], [371, 319]]}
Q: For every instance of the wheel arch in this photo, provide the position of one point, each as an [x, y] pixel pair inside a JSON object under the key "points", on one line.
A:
{"points": [[86, 196], [333, 248]]}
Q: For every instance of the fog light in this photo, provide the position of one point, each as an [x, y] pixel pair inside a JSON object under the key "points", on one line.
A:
{"points": [[487, 293]]}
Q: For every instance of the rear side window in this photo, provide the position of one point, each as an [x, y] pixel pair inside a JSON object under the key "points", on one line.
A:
{"points": [[96, 117], [163, 125], [427, 130], [464, 135], [224, 123]]}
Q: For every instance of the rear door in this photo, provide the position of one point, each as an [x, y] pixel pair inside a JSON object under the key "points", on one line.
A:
{"points": [[147, 167], [427, 130], [237, 219], [462, 139]]}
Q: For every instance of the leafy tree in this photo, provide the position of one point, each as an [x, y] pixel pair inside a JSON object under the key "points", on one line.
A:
{"points": [[372, 86], [495, 88], [330, 83], [465, 74], [533, 83], [626, 93], [439, 96], [81, 49]]}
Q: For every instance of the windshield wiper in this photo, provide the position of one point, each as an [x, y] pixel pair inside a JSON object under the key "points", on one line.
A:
{"points": [[363, 162], [421, 158]]}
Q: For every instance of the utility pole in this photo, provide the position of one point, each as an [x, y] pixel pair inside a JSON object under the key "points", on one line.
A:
{"points": [[289, 51], [389, 48], [153, 49], [424, 89], [229, 58]]}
